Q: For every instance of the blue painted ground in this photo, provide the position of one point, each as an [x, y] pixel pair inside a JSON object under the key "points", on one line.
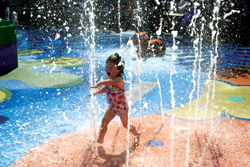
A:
{"points": [[34, 114]]}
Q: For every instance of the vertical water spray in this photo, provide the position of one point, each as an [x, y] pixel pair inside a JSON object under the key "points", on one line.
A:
{"points": [[197, 45], [128, 128], [138, 60], [90, 39], [158, 33], [214, 55], [196, 50], [215, 34], [162, 110], [121, 45], [199, 66], [174, 33], [119, 22]]}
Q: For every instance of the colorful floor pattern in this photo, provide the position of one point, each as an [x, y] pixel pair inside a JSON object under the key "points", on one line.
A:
{"points": [[47, 80], [47, 105], [233, 100], [223, 140], [75, 149]]}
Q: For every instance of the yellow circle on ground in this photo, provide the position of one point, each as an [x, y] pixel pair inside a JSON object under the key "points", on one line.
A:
{"points": [[2, 95], [64, 61]]}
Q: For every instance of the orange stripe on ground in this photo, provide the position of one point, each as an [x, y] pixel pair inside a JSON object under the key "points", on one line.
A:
{"points": [[233, 76], [229, 145]]}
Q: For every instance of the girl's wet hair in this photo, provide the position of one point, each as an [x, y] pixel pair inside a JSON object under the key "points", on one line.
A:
{"points": [[120, 63]]}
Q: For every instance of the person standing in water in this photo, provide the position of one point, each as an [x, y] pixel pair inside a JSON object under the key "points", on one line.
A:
{"points": [[115, 88], [147, 47], [141, 39]]}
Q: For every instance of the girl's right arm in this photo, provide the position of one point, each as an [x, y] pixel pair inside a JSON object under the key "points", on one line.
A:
{"points": [[100, 91]]}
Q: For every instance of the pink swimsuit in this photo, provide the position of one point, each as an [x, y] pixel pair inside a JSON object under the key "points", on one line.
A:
{"points": [[116, 99]]}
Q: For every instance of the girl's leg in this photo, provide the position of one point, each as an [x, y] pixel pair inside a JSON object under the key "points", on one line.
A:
{"points": [[109, 115], [132, 129]]}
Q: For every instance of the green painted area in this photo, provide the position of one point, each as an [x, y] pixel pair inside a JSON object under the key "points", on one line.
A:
{"points": [[49, 80], [209, 104], [7, 32], [242, 68], [4, 94], [28, 52], [5, 22]]}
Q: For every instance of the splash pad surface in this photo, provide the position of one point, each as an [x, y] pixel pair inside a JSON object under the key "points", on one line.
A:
{"points": [[75, 149], [36, 114]]}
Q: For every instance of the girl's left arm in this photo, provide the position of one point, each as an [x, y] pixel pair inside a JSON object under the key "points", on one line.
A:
{"points": [[108, 82]]}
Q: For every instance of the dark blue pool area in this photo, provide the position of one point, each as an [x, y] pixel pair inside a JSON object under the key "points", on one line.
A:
{"points": [[35, 114]]}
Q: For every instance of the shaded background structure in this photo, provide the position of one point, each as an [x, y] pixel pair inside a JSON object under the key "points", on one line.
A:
{"points": [[54, 14]]}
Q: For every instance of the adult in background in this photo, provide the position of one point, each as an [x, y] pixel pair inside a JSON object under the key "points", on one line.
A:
{"points": [[147, 47]]}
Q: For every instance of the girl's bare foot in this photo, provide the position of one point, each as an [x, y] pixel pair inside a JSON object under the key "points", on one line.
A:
{"points": [[99, 140]]}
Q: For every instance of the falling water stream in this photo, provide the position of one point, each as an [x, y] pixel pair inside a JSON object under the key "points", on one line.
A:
{"points": [[92, 73], [173, 72], [195, 46], [214, 57]]}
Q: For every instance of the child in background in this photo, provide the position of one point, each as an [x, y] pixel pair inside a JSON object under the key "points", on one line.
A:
{"points": [[147, 47], [141, 39], [115, 88]]}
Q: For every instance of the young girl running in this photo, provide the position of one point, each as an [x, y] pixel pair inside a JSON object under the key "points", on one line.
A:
{"points": [[115, 89]]}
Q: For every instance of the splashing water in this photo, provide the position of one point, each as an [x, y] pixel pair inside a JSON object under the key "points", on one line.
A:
{"points": [[174, 33], [89, 37]]}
